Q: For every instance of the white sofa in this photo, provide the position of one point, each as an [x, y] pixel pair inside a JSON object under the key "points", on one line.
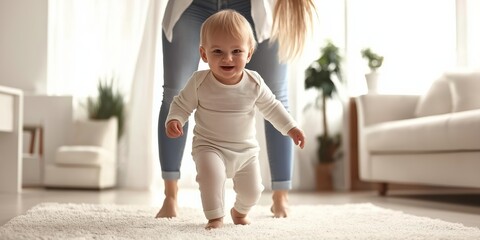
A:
{"points": [[89, 160], [432, 139]]}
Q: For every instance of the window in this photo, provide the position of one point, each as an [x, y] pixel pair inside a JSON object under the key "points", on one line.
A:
{"points": [[417, 39], [89, 40], [472, 8]]}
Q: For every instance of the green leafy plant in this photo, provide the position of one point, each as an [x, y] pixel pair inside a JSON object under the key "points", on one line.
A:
{"points": [[374, 60], [109, 103], [320, 75]]}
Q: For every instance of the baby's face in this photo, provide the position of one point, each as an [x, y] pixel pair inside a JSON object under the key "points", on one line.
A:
{"points": [[226, 56]]}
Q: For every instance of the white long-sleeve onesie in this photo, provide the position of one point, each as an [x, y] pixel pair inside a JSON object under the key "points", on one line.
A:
{"points": [[225, 125]]}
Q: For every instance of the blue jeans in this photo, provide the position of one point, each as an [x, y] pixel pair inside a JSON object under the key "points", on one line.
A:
{"points": [[180, 60]]}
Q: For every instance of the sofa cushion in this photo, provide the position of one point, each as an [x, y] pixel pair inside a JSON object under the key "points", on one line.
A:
{"points": [[446, 132], [465, 90], [83, 155], [437, 100]]}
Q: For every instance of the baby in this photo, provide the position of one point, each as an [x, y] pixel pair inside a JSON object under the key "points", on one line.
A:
{"points": [[224, 99]]}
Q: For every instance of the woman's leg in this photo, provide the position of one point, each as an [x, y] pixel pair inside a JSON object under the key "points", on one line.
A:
{"points": [[279, 148], [180, 60]]}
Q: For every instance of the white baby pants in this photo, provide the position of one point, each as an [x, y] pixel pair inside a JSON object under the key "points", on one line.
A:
{"points": [[213, 169]]}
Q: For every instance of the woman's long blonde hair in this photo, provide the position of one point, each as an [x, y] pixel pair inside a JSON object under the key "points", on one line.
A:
{"points": [[292, 19]]}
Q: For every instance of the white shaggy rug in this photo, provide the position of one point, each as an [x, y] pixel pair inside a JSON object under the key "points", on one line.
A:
{"points": [[349, 221]]}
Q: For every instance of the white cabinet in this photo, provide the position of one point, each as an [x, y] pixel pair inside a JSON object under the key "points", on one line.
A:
{"points": [[11, 124], [6, 112]]}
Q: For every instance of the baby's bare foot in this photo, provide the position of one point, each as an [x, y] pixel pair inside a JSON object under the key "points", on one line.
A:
{"points": [[239, 218], [169, 208], [280, 204], [214, 223]]}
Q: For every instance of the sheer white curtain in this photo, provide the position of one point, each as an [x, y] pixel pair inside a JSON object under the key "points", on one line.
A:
{"points": [[93, 39], [140, 164], [472, 8]]}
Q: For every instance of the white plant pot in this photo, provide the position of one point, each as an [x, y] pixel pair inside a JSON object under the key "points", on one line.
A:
{"points": [[372, 81]]}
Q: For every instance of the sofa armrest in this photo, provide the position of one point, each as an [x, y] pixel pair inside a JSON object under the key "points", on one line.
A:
{"points": [[377, 108]]}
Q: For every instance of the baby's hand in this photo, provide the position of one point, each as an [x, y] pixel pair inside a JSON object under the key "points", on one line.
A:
{"points": [[298, 136], [174, 129]]}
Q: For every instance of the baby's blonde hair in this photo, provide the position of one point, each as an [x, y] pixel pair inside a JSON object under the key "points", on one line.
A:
{"points": [[228, 21]]}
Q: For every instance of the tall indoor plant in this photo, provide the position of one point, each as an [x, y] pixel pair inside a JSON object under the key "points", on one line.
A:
{"points": [[110, 102], [322, 75]]}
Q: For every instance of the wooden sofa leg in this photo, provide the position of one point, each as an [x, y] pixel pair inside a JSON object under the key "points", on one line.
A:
{"points": [[382, 189]]}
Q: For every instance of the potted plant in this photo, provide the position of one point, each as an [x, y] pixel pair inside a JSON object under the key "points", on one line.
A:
{"points": [[374, 61], [323, 74], [109, 103]]}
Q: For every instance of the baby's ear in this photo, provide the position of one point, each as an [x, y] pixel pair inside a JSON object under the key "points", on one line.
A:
{"points": [[203, 54], [250, 54]]}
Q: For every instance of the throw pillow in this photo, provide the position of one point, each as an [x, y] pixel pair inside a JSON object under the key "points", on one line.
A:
{"points": [[465, 90], [437, 100]]}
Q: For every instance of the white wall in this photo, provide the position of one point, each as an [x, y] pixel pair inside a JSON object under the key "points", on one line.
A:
{"points": [[23, 44]]}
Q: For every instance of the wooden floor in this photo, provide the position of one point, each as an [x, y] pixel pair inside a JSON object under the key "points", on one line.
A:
{"points": [[461, 206]]}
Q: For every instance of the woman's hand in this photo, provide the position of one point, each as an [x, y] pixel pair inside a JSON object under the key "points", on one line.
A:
{"points": [[297, 136], [174, 129]]}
